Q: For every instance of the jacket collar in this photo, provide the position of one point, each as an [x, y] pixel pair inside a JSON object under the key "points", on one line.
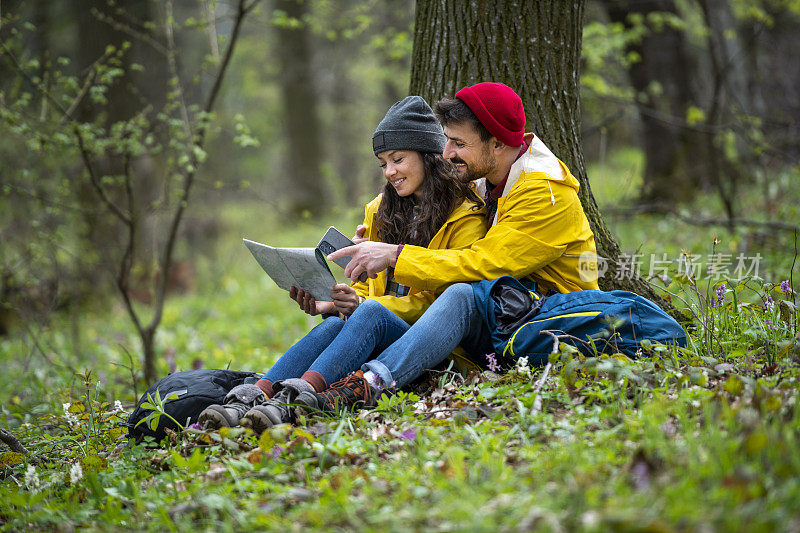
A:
{"points": [[537, 158]]}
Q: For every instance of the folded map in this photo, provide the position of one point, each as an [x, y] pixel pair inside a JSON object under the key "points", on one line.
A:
{"points": [[305, 268]]}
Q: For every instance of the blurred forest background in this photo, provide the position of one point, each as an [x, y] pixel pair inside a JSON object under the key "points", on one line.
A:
{"points": [[141, 139]]}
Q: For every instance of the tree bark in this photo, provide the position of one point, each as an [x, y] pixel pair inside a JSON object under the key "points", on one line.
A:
{"points": [[533, 47], [12, 442], [776, 85]]}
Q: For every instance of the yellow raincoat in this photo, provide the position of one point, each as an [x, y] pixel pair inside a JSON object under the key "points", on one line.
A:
{"points": [[464, 226], [540, 232]]}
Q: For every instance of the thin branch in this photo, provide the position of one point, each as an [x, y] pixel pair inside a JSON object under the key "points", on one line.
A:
{"points": [[94, 179], [237, 26], [46, 82], [661, 210], [130, 369], [173, 69], [664, 117], [80, 96], [672, 294], [87, 84], [12, 442], [38, 346], [555, 339], [21, 191], [188, 179], [67, 115], [212, 30], [537, 402], [126, 28], [771, 224], [610, 119], [127, 259], [7, 53], [557, 335], [456, 375], [166, 256]]}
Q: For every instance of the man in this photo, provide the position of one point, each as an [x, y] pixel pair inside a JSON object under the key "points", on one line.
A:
{"points": [[537, 231]]}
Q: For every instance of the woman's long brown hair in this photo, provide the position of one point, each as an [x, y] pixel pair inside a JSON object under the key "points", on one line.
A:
{"points": [[401, 221]]}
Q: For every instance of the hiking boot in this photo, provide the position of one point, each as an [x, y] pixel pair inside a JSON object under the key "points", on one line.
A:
{"points": [[352, 392], [238, 401], [279, 409]]}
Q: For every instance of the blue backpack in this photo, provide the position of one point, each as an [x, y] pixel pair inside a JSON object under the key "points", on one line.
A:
{"points": [[613, 321]]}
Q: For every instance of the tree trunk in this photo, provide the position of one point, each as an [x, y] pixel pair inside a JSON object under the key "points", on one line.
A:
{"points": [[533, 47], [777, 83], [301, 115], [148, 337], [729, 101], [662, 79], [346, 98]]}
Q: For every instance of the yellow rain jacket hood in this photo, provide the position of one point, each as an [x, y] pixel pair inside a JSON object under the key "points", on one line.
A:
{"points": [[539, 232], [465, 225]]}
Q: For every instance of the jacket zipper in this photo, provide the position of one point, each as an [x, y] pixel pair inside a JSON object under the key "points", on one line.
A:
{"points": [[510, 343]]}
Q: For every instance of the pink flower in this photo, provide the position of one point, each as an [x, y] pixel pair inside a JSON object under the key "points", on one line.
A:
{"points": [[720, 292], [276, 451], [409, 434], [492, 362]]}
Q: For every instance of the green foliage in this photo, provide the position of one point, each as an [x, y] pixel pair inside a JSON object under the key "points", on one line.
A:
{"points": [[157, 409], [135, 160], [603, 443], [704, 437], [401, 403]]}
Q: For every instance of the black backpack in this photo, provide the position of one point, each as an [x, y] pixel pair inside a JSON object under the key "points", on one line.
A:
{"points": [[196, 390]]}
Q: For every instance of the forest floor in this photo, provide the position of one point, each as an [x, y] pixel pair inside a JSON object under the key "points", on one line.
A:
{"points": [[704, 438]]}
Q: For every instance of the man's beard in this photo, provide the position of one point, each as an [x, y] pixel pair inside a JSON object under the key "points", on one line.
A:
{"points": [[477, 170]]}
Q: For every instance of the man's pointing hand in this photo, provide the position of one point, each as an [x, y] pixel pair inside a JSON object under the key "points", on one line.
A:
{"points": [[369, 256]]}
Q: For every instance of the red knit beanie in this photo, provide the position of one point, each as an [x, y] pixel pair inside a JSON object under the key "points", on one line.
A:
{"points": [[498, 108]]}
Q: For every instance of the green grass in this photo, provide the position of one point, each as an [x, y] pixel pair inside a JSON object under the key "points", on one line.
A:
{"points": [[701, 439]]}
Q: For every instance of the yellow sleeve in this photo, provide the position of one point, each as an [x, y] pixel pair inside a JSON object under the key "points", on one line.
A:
{"points": [[466, 231], [462, 234], [532, 230]]}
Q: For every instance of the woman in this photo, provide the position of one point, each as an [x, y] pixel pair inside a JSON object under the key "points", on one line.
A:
{"points": [[423, 203]]}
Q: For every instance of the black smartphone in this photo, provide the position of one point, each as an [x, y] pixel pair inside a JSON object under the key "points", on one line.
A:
{"points": [[336, 240]]}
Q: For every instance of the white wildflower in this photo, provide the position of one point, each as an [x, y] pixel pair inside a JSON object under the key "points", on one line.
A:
{"points": [[75, 473], [118, 406], [71, 419], [521, 367], [32, 479], [56, 478]]}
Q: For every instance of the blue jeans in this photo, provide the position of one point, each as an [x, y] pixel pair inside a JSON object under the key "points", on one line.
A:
{"points": [[451, 320], [334, 348]]}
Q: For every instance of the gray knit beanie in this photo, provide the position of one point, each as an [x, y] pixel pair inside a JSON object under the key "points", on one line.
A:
{"points": [[409, 125]]}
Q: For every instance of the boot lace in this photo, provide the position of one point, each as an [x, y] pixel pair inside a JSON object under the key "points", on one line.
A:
{"points": [[348, 391]]}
